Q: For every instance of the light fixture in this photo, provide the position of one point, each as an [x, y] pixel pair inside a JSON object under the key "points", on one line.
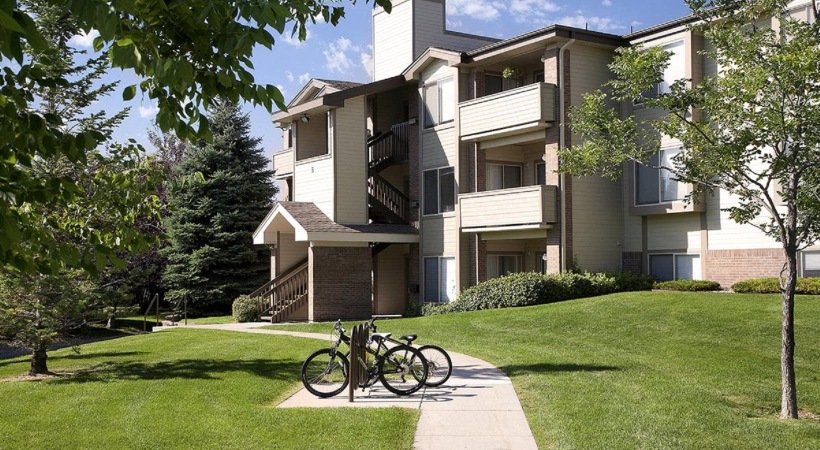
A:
{"points": [[304, 118]]}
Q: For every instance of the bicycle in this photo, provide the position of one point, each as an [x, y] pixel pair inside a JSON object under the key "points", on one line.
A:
{"points": [[439, 365], [401, 369]]}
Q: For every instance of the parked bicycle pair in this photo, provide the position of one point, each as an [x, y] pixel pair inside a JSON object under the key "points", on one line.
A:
{"points": [[401, 368]]}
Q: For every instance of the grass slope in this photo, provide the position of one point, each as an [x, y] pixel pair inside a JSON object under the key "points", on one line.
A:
{"points": [[184, 389], [644, 370]]}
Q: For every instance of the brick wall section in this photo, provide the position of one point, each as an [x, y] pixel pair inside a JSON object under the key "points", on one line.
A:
{"points": [[632, 262], [340, 283], [553, 250], [730, 266]]}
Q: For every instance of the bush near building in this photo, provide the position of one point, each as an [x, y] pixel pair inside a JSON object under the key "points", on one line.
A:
{"points": [[244, 309], [688, 285], [526, 289], [805, 286]]}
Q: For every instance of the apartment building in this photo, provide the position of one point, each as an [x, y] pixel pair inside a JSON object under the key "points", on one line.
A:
{"points": [[441, 173]]}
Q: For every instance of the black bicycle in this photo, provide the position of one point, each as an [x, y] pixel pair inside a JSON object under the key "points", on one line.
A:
{"points": [[402, 369], [439, 365]]}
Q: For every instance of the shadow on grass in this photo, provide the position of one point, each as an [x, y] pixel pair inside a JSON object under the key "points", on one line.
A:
{"points": [[544, 368], [191, 369]]}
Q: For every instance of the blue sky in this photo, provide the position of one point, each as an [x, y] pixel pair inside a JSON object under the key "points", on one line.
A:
{"points": [[343, 52]]}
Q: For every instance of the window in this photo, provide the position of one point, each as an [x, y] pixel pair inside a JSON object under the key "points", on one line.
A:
{"points": [[500, 265], [502, 176], [289, 132], [493, 84], [540, 173], [811, 264], [538, 77], [667, 267], [541, 262], [658, 185], [439, 191], [331, 133], [439, 279], [674, 72], [439, 103]]}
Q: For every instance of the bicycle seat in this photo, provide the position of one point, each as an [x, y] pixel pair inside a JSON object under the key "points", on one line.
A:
{"points": [[409, 338], [380, 336]]}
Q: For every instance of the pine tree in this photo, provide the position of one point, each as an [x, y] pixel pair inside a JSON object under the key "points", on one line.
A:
{"points": [[211, 257]]}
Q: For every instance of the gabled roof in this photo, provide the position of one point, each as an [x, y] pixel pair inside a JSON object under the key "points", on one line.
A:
{"points": [[309, 223]]}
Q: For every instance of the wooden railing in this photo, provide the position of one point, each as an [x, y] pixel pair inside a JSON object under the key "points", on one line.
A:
{"points": [[280, 294], [393, 145], [390, 197]]}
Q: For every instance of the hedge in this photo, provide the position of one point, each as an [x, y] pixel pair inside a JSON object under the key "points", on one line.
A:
{"points": [[244, 309], [525, 289], [805, 286], [688, 285]]}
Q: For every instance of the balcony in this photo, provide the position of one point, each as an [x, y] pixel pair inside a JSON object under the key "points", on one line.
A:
{"points": [[283, 163], [527, 207], [516, 111]]}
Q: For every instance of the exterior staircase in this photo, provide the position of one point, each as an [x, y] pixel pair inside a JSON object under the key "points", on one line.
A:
{"points": [[386, 203], [286, 293]]}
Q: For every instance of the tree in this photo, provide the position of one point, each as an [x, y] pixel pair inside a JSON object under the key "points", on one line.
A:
{"points": [[752, 131], [211, 257], [186, 54]]}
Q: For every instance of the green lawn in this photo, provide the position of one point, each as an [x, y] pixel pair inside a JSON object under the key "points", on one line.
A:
{"points": [[644, 370], [184, 389]]}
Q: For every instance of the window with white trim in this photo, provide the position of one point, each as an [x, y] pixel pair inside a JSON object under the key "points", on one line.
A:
{"points": [[503, 176], [675, 266], [439, 279], [500, 265], [811, 264], [675, 71], [439, 102], [658, 185], [439, 190], [540, 173]]}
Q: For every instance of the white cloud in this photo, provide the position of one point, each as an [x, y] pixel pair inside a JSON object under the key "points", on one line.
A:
{"points": [[84, 39], [336, 58], [606, 2], [304, 78], [532, 10], [294, 41], [289, 76], [367, 61], [282, 90], [148, 111], [603, 24], [476, 9], [454, 23]]}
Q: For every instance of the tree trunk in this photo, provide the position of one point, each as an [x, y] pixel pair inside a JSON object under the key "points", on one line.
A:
{"points": [[38, 362], [788, 402]]}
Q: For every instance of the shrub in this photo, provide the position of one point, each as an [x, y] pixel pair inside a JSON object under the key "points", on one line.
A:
{"points": [[414, 308], [525, 289], [805, 286], [688, 285], [245, 309]]}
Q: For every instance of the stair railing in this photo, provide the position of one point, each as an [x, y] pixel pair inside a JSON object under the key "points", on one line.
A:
{"points": [[390, 197]]}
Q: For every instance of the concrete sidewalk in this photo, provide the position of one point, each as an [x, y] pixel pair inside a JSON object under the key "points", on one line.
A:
{"points": [[477, 408]]}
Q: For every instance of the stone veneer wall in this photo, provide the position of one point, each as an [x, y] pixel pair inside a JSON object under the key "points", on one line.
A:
{"points": [[340, 283]]}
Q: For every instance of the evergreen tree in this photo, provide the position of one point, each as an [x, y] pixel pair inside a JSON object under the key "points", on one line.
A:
{"points": [[211, 257]]}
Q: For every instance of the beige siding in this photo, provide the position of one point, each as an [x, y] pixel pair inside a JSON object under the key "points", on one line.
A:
{"points": [[391, 281], [673, 232], [527, 105], [351, 166], [290, 252], [507, 207], [588, 70], [392, 40], [436, 71], [282, 162], [438, 148], [439, 234], [597, 223], [391, 108], [429, 31], [311, 137], [314, 183], [725, 233]]}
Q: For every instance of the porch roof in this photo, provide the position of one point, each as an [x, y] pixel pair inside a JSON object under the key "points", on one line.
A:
{"points": [[309, 223]]}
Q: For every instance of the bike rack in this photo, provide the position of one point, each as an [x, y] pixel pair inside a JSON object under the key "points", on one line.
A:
{"points": [[358, 352]]}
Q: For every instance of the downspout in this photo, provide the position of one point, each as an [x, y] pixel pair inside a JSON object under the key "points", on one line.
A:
{"points": [[561, 145]]}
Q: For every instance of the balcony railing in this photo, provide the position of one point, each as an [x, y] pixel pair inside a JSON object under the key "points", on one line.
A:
{"points": [[528, 207], [283, 163], [517, 111]]}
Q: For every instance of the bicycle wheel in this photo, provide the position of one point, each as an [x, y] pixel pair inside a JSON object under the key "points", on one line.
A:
{"points": [[439, 365], [325, 374], [402, 370]]}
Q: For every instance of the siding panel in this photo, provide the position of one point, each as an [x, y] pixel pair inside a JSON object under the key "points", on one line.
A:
{"points": [[314, 183], [392, 43], [351, 164]]}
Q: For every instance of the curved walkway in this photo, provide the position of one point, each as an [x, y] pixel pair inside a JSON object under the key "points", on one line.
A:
{"points": [[476, 409]]}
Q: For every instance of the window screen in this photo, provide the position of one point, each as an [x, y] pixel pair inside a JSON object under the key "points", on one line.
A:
{"points": [[687, 267], [661, 267], [431, 286], [431, 192], [492, 84], [447, 279], [811, 264], [447, 100], [541, 173], [447, 188], [647, 183], [431, 106]]}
